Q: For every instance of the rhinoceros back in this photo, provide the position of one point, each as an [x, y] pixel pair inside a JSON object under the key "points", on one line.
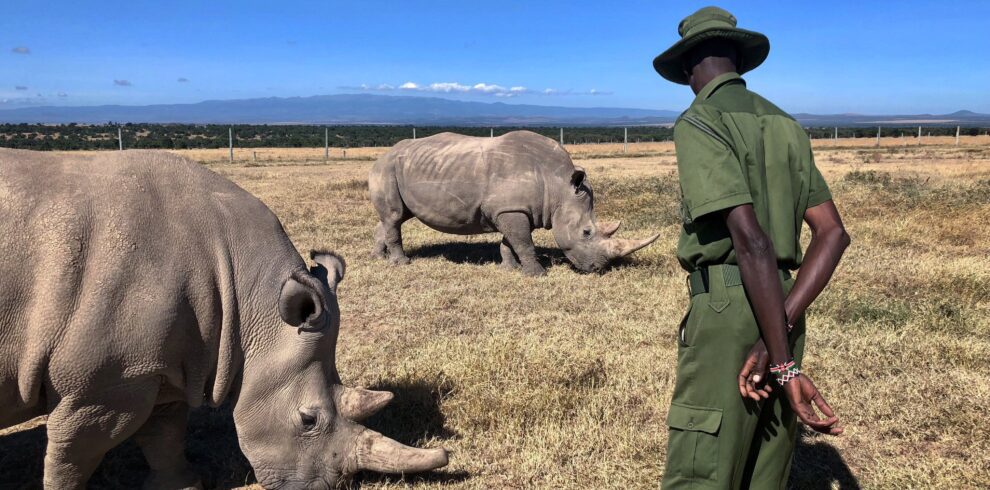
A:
{"points": [[97, 258], [460, 184]]}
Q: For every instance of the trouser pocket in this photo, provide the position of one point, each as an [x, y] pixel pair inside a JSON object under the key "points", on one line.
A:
{"points": [[693, 448], [681, 339]]}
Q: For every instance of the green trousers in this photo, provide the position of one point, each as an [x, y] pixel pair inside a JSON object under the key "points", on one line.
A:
{"points": [[717, 438]]}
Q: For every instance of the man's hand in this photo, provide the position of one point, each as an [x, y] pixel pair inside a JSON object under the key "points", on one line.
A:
{"points": [[753, 375], [801, 393]]}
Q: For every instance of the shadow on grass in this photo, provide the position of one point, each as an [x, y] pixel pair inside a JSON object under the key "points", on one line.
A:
{"points": [[818, 465], [213, 451], [481, 253], [211, 447], [22, 456]]}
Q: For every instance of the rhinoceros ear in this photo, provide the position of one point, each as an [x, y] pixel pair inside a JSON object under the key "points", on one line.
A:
{"points": [[329, 268], [299, 303], [577, 178]]}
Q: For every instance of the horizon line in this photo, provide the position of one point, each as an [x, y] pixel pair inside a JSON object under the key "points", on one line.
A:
{"points": [[437, 97]]}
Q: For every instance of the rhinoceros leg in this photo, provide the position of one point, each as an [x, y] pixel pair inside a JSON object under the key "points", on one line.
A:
{"points": [[518, 232], [163, 441], [81, 431], [509, 259], [388, 241]]}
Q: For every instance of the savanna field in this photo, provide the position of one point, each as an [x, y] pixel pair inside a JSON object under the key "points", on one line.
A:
{"points": [[564, 381]]}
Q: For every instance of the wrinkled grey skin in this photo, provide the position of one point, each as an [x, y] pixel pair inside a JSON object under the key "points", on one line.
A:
{"points": [[135, 285], [512, 184]]}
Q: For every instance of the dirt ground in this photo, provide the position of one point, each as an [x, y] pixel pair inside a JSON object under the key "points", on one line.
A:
{"points": [[564, 381]]}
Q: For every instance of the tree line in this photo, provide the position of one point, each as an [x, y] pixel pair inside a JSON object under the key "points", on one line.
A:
{"points": [[204, 136]]}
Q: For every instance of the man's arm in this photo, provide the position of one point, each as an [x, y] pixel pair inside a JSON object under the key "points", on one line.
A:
{"points": [[758, 270], [828, 241]]}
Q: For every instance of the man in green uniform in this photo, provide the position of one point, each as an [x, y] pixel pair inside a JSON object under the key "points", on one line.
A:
{"points": [[748, 182]]}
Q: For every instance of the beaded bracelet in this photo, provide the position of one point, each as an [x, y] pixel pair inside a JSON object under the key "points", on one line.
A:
{"points": [[782, 367], [791, 373]]}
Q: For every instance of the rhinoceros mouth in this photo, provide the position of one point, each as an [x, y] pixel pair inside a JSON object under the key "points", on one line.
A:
{"points": [[271, 481]]}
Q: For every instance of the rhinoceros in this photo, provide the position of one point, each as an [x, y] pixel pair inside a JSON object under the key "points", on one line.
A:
{"points": [[512, 184], [135, 285]]}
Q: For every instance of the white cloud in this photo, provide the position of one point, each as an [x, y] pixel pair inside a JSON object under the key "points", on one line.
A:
{"points": [[122, 83], [448, 87], [480, 88], [21, 50], [26, 101]]}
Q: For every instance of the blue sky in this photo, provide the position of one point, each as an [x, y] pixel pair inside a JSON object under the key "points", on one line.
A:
{"points": [[826, 57]]}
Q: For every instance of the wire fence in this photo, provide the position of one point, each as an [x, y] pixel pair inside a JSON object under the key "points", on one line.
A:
{"points": [[341, 138]]}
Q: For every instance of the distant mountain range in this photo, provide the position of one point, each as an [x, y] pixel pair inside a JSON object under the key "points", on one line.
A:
{"points": [[385, 109], [342, 109], [962, 118]]}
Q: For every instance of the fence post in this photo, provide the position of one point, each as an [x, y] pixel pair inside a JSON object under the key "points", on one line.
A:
{"points": [[326, 145], [492, 133], [414, 132], [120, 139], [836, 134], [957, 135], [878, 136], [625, 139], [561, 136], [230, 137]]}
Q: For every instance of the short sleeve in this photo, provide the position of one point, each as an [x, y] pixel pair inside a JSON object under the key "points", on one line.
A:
{"points": [[817, 188], [710, 174]]}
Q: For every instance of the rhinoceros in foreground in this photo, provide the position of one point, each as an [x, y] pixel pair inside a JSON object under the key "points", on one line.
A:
{"points": [[512, 184], [135, 285]]}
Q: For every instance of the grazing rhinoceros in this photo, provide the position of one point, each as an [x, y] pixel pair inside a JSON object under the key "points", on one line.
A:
{"points": [[134, 285], [512, 184]]}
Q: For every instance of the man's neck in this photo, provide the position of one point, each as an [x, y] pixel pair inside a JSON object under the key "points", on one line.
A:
{"points": [[709, 69]]}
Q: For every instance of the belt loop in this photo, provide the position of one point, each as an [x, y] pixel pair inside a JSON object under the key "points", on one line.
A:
{"points": [[718, 298]]}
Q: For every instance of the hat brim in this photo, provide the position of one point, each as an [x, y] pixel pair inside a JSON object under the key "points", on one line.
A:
{"points": [[753, 50]]}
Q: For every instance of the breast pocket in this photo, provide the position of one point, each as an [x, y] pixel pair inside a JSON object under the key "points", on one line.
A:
{"points": [[693, 448]]}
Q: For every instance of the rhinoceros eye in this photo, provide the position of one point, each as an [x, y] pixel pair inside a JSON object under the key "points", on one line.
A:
{"points": [[586, 233], [307, 419]]}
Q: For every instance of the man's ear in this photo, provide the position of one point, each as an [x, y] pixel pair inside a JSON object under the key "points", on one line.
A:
{"points": [[577, 178], [299, 304], [329, 268]]}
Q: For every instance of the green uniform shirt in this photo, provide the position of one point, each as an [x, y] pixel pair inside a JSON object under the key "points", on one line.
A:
{"points": [[735, 147]]}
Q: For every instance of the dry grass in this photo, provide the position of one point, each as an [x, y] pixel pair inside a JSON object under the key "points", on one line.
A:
{"points": [[564, 381]]}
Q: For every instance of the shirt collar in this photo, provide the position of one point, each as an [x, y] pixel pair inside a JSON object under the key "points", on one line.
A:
{"points": [[717, 82]]}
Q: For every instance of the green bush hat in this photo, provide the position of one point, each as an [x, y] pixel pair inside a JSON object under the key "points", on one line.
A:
{"points": [[705, 24]]}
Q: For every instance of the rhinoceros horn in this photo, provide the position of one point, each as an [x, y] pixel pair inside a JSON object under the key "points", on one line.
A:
{"points": [[608, 228], [358, 404], [620, 247], [375, 452]]}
